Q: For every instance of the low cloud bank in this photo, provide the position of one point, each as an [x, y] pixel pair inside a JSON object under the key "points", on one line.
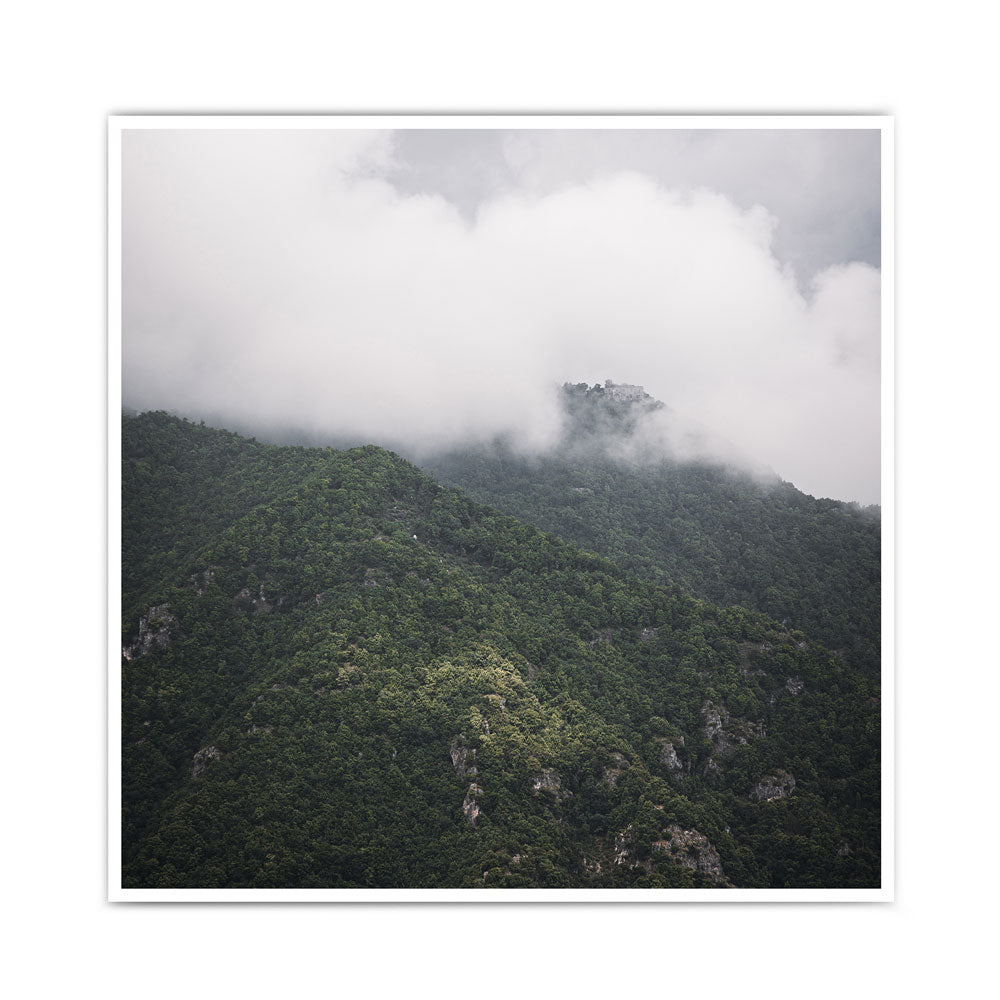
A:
{"points": [[276, 282]]}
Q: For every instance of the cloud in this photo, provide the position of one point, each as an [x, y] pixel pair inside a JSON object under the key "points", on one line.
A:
{"points": [[278, 281], [821, 185]]}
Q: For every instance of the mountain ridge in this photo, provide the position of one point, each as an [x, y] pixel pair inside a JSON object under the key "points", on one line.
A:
{"points": [[339, 654], [723, 533]]}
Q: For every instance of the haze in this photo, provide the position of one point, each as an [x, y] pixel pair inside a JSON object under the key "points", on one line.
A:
{"points": [[429, 288]]}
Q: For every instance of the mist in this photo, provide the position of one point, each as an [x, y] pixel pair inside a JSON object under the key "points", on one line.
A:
{"points": [[283, 283]]}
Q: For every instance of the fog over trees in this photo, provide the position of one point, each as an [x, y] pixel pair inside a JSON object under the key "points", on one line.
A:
{"points": [[429, 289]]}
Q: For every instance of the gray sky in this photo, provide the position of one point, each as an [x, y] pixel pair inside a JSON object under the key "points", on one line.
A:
{"points": [[821, 186], [429, 287]]}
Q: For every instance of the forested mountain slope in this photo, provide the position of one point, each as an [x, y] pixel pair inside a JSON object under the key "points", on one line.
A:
{"points": [[728, 536], [338, 673]]}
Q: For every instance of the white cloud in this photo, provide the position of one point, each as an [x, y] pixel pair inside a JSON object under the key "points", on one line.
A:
{"points": [[273, 280]]}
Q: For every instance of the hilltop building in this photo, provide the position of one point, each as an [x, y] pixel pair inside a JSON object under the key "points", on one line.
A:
{"points": [[623, 393]]}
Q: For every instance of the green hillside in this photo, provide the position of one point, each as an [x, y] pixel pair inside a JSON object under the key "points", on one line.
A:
{"points": [[337, 673], [725, 535]]}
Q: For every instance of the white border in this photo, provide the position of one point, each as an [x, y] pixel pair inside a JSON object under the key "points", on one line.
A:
{"points": [[888, 689], [118, 123], [114, 307]]}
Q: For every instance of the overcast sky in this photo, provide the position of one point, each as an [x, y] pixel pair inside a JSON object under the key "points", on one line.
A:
{"points": [[427, 287]]}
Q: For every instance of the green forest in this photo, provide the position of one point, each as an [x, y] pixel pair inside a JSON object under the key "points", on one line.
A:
{"points": [[725, 535], [338, 671]]}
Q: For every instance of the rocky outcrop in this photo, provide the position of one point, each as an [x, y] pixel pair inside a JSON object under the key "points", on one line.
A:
{"points": [[203, 580], [714, 720], [622, 850], [463, 759], [470, 807], [773, 786], [794, 685], [157, 627], [613, 773], [687, 848], [690, 849], [549, 781], [726, 734], [245, 600], [668, 754], [648, 634], [202, 759], [261, 605]]}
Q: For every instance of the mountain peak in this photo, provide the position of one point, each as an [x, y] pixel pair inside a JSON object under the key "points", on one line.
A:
{"points": [[602, 414], [617, 392], [623, 392]]}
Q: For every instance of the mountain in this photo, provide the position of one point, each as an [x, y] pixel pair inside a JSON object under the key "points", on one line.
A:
{"points": [[726, 534], [337, 672]]}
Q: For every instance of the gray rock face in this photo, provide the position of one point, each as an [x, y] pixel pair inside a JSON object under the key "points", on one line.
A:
{"points": [[714, 719], [470, 807], [687, 848], [549, 781], [712, 770], [156, 628], [794, 685], [613, 773], [726, 735], [772, 787], [259, 604], [668, 755], [648, 634], [623, 842], [202, 759], [463, 759], [690, 849]]}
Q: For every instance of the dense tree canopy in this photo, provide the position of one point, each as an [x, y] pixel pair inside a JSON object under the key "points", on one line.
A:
{"points": [[726, 535], [337, 672]]}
